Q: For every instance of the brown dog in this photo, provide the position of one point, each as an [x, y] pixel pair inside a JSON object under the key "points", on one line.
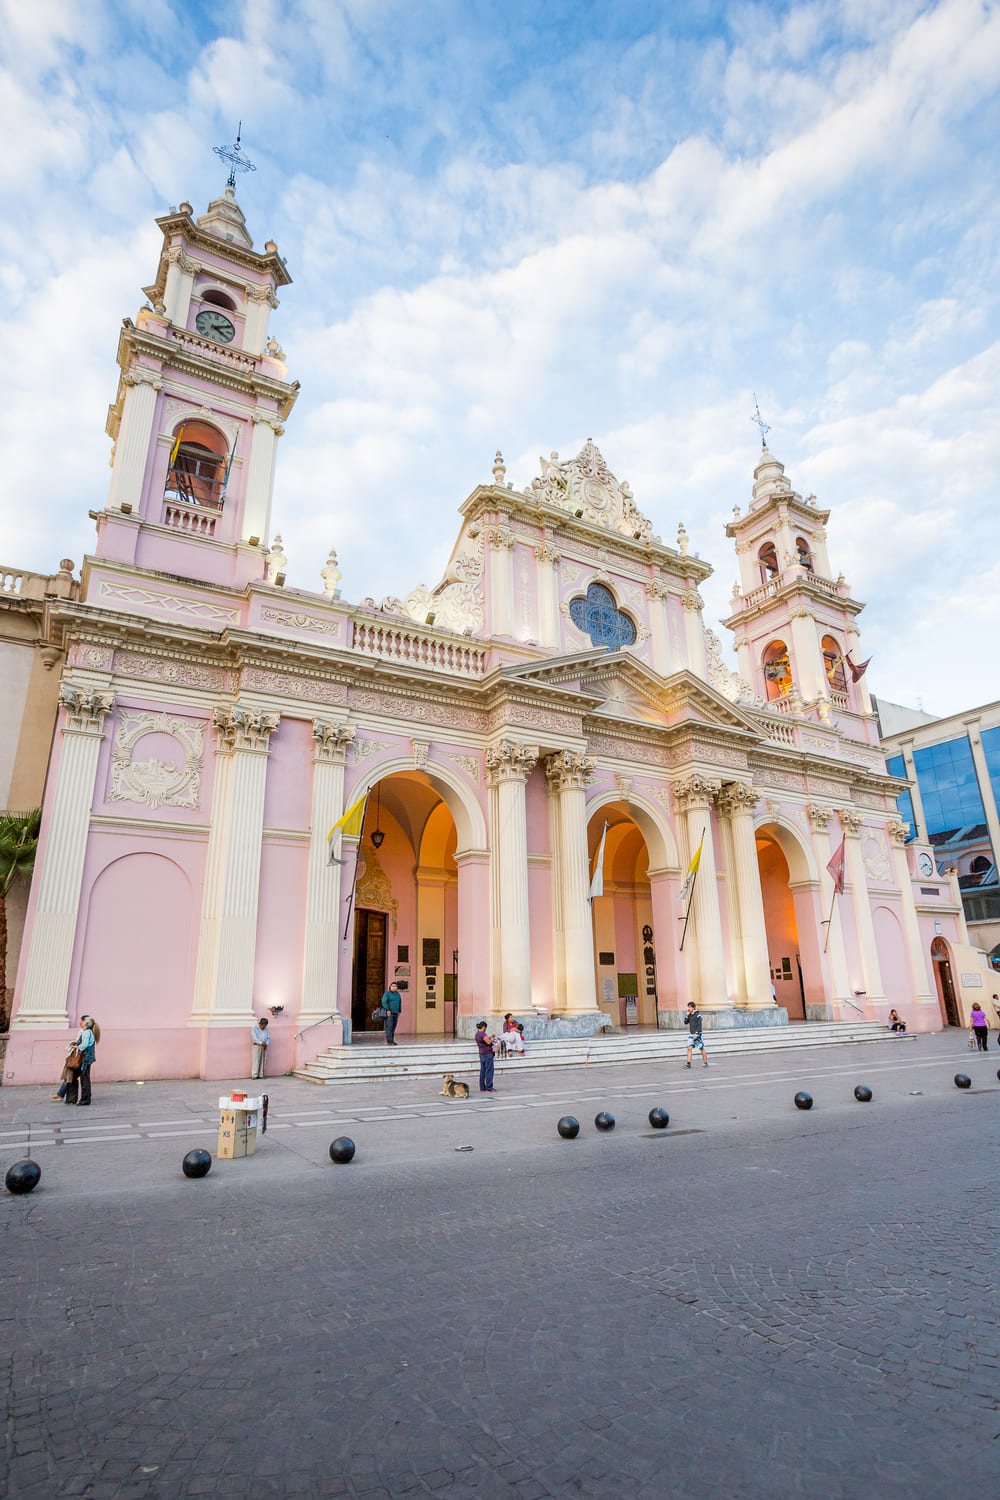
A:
{"points": [[454, 1088]]}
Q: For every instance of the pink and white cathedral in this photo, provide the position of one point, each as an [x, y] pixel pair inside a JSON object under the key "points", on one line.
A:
{"points": [[215, 724]]}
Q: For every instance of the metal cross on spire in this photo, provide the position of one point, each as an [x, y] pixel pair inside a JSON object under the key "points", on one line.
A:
{"points": [[237, 159], [759, 420]]}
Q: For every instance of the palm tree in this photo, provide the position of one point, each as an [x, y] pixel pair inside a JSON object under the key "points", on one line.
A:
{"points": [[18, 846]]}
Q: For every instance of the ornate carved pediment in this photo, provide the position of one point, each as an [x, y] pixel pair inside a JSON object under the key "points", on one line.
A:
{"points": [[585, 487], [373, 888]]}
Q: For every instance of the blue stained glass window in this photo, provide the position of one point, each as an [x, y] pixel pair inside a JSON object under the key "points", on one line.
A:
{"points": [[599, 617], [896, 766]]}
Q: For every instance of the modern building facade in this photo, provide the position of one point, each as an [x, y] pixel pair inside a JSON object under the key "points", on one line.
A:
{"points": [[556, 693], [953, 769]]}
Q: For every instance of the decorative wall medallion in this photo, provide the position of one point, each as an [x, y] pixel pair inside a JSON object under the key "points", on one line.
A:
{"points": [[301, 622], [363, 748], [98, 658], [468, 763], [157, 783], [875, 857]]}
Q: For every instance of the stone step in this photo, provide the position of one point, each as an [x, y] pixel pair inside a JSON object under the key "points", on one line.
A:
{"points": [[371, 1063]]}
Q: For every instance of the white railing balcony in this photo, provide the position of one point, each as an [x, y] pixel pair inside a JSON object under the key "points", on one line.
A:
{"points": [[189, 519], [412, 646]]}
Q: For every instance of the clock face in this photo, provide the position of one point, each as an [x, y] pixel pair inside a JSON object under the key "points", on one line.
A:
{"points": [[925, 865], [214, 325]]}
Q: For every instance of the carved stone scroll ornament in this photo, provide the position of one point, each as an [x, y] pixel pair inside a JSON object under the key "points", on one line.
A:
{"points": [[469, 764], [692, 600], [85, 708], [624, 785], [421, 750], [730, 684], [547, 552], [245, 729], [568, 768], [509, 761], [331, 742], [157, 783], [373, 888], [695, 791], [898, 832]]}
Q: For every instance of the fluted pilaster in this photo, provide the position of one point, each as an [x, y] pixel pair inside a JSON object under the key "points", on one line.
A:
{"points": [[851, 821], [323, 915], [60, 876], [508, 766], [135, 435], [567, 773], [695, 797]]}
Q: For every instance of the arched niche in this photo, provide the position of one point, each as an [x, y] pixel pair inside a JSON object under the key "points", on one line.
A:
{"points": [[470, 824], [798, 853], [651, 821]]}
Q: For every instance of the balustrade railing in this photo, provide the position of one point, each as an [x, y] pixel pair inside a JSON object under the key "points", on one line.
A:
{"points": [[11, 580], [414, 647], [224, 354], [189, 519]]}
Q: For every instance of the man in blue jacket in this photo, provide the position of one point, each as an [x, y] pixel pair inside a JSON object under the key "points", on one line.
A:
{"points": [[392, 1004]]}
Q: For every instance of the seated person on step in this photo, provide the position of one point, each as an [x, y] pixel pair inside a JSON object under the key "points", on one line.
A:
{"points": [[895, 1024]]}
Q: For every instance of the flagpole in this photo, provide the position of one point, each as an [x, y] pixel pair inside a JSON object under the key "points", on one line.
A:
{"points": [[357, 857], [827, 924], [694, 881]]}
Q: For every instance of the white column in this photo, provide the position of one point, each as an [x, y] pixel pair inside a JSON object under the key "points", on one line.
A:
{"points": [[923, 987], [258, 313], [547, 582], [228, 937], [835, 950], [60, 876], [735, 967], [180, 283], [323, 910], [558, 935], [694, 633], [656, 593], [135, 436], [568, 772], [737, 804], [696, 795], [507, 768], [810, 674], [851, 822], [501, 544], [260, 477]]}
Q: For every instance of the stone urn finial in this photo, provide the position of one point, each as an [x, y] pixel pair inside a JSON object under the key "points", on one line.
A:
{"points": [[331, 576], [277, 562]]}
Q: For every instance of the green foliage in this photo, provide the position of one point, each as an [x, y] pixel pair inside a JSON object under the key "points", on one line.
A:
{"points": [[18, 846]]}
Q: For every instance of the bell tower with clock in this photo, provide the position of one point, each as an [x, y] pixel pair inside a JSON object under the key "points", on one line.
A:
{"points": [[201, 402]]}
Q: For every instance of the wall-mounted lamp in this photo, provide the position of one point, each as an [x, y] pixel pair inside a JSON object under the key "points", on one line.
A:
{"points": [[378, 837], [276, 1009]]}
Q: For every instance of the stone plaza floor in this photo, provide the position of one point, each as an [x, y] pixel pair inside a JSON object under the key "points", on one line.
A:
{"points": [[759, 1302]]}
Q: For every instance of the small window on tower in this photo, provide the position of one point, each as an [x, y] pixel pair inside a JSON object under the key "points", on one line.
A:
{"points": [[777, 672], [804, 553], [198, 466], [833, 661], [768, 561]]}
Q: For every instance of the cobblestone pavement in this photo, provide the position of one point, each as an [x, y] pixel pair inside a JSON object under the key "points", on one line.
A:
{"points": [[757, 1303]]}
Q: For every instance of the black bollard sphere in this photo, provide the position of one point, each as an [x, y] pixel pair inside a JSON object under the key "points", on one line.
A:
{"points": [[803, 1101], [23, 1177], [963, 1081], [568, 1128], [604, 1121], [659, 1119], [863, 1093], [197, 1163], [342, 1150]]}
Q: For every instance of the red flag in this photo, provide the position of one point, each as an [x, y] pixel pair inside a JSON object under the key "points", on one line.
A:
{"points": [[836, 869], [857, 672]]}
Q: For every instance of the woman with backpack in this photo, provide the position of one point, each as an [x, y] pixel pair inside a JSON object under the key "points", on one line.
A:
{"points": [[79, 1061]]}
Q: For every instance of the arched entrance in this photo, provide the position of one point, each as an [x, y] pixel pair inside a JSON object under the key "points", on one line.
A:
{"points": [[790, 891], [625, 953], [406, 907], [943, 978]]}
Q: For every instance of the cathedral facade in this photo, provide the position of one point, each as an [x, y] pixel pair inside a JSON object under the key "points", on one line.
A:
{"points": [[555, 702]]}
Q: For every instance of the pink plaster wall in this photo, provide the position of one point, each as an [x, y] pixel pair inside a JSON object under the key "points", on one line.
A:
{"points": [[288, 790]]}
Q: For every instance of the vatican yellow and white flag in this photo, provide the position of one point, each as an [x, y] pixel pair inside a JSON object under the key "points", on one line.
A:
{"points": [[692, 871], [597, 884], [349, 825]]}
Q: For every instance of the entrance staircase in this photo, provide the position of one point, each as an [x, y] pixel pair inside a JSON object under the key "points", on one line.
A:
{"points": [[369, 1062]]}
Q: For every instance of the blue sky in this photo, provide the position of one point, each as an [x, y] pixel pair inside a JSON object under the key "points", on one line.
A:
{"points": [[518, 226]]}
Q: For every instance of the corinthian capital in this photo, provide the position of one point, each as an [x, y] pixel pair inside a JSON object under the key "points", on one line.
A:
{"points": [[897, 831], [737, 797], [140, 375], [331, 742], [568, 768], [509, 761], [819, 816], [851, 821], [546, 552], [246, 729], [695, 791], [85, 708], [501, 538], [692, 600]]}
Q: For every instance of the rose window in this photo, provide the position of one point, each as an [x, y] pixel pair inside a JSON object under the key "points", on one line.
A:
{"points": [[597, 615]]}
